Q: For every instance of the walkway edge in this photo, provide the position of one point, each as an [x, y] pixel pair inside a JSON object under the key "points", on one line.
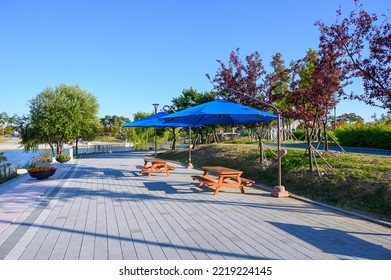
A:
{"points": [[347, 212], [304, 199]]}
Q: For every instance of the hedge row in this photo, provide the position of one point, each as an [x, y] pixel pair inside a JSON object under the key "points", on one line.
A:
{"points": [[376, 135]]}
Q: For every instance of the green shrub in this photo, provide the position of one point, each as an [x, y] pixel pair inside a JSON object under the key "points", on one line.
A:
{"points": [[376, 135], [299, 134], [63, 156]]}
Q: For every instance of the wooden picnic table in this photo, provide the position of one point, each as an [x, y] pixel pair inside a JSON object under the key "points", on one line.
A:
{"points": [[222, 177], [156, 166]]}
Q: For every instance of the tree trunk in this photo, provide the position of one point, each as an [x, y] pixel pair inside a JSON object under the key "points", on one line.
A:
{"points": [[52, 148], [77, 147], [214, 134], [59, 148], [173, 147], [309, 144], [260, 145], [326, 142], [201, 136]]}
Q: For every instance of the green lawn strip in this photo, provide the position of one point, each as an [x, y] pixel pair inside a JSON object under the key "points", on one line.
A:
{"points": [[355, 182]]}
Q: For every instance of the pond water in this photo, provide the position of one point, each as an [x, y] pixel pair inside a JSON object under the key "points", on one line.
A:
{"points": [[20, 158]]}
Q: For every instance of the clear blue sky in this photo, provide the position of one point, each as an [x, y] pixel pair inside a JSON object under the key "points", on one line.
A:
{"points": [[130, 54]]}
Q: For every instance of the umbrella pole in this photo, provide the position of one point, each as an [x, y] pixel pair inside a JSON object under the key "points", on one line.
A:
{"points": [[190, 165], [279, 190]]}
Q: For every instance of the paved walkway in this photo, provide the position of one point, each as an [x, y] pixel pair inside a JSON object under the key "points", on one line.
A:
{"points": [[101, 207]]}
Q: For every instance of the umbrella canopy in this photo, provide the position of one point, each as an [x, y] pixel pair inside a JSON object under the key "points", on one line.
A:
{"points": [[155, 121], [219, 112]]}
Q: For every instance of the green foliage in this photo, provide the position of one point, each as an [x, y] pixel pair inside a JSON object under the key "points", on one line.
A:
{"points": [[140, 136], [58, 116], [191, 98], [376, 135], [111, 125], [349, 117], [299, 134], [2, 157], [62, 156]]}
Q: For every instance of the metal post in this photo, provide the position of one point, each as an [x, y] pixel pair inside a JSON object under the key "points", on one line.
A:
{"points": [[155, 140], [190, 165], [279, 190]]}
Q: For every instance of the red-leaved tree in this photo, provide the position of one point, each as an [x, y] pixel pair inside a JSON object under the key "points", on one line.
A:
{"points": [[317, 84], [247, 77], [366, 46]]}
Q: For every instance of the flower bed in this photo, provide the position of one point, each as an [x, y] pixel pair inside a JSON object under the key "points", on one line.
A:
{"points": [[42, 172], [61, 158], [41, 169]]}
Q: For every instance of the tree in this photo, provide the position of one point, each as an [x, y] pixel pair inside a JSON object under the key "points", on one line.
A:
{"points": [[85, 108], [316, 88], [140, 136], [58, 116], [190, 98], [383, 118], [3, 120], [244, 77], [349, 117], [248, 77], [277, 88], [112, 124], [367, 52]]}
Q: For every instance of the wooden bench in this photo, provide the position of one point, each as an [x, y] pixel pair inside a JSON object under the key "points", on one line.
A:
{"points": [[246, 182], [205, 180], [212, 181], [170, 168]]}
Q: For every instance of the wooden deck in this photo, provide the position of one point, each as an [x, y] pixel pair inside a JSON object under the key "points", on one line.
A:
{"points": [[101, 207]]}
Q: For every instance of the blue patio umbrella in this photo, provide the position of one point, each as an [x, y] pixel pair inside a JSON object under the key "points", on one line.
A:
{"points": [[219, 112], [222, 112], [156, 121]]}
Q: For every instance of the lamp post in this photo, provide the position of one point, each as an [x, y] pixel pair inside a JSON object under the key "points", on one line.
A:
{"points": [[279, 190], [155, 105]]}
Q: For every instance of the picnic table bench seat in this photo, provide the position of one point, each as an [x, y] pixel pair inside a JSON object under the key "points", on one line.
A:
{"points": [[213, 181], [205, 180], [246, 182], [155, 166]]}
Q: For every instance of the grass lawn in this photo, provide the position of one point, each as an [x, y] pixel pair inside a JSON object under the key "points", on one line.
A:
{"points": [[355, 182]]}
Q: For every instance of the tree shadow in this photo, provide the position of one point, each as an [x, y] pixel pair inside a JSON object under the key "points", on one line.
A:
{"points": [[226, 254], [337, 242]]}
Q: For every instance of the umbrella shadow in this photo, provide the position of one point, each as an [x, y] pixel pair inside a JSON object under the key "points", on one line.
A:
{"points": [[164, 187]]}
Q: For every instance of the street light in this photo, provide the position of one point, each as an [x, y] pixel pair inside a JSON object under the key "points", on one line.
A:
{"points": [[279, 190], [155, 105]]}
